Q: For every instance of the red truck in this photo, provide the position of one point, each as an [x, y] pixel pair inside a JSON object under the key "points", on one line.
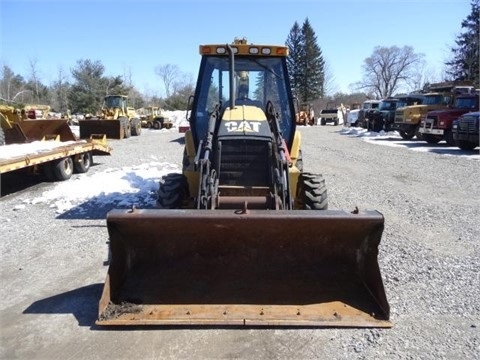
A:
{"points": [[437, 125]]}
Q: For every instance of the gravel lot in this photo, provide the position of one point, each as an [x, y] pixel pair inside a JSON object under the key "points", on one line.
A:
{"points": [[53, 265]]}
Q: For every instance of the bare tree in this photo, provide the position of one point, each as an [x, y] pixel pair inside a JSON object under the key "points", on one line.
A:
{"points": [[169, 74], [34, 79], [388, 69]]}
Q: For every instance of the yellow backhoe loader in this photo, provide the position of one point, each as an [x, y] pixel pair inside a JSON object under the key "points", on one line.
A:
{"points": [[116, 120], [243, 235]]}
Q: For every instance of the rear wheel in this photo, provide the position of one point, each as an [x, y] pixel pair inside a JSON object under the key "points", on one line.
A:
{"points": [[311, 192], [82, 162], [59, 170], [173, 191]]}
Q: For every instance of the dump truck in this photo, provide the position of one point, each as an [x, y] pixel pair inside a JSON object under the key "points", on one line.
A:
{"points": [[437, 125], [436, 96], [46, 147], [116, 120], [243, 234]]}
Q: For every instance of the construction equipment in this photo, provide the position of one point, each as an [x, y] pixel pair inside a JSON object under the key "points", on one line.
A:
{"points": [[305, 115], [116, 120], [152, 118], [17, 128], [243, 235]]}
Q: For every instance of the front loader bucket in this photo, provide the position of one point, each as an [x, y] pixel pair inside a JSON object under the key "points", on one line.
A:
{"points": [[222, 267], [111, 128], [36, 130]]}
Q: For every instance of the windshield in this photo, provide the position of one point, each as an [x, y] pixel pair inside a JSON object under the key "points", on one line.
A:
{"points": [[408, 101], [113, 101], [438, 99], [257, 80], [388, 105], [467, 103]]}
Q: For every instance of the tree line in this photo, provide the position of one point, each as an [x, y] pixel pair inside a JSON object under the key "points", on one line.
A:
{"points": [[387, 70]]}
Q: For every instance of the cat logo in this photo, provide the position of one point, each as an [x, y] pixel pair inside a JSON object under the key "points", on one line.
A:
{"points": [[243, 126]]}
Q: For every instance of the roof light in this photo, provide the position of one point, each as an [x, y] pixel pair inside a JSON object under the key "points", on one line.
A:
{"points": [[221, 50], [266, 51], [253, 50]]}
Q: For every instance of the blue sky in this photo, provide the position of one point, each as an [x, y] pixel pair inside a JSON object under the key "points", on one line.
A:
{"points": [[133, 37]]}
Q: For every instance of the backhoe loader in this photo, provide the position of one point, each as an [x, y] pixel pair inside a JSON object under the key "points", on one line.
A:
{"points": [[116, 120], [243, 236]]}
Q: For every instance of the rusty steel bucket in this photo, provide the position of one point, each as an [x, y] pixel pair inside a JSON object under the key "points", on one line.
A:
{"points": [[259, 268], [36, 130]]}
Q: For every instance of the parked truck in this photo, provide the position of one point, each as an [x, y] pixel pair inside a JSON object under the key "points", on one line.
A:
{"points": [[466, 130], [437, 126], [437, 96], [382, 118]]}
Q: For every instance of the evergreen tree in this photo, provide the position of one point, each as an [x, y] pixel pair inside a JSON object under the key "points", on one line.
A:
{"points": [[295, 46], [305, 63], [313, 66], [465, 63]]}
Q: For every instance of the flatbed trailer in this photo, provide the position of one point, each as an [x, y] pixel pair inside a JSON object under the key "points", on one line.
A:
{"points": [[56, 159]]}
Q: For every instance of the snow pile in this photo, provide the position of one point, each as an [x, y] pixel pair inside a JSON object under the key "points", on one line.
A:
{"points": [[36, 147], [123, 187]]}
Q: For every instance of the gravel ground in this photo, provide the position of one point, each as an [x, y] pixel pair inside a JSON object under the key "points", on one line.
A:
{"points": [[53, 266]]}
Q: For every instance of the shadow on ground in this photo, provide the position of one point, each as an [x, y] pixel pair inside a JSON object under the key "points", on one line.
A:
{"points": [[81, 303]]}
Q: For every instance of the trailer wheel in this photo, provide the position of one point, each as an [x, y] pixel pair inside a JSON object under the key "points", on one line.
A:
{"points": [[82, 162], [311, 192], [136, 127], [173, 191], [62, 168]]}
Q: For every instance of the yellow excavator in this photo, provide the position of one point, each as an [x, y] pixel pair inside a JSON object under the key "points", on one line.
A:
{"points": [[243, 235], [116, 120]]}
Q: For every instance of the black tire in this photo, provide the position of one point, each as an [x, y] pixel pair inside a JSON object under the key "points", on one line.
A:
{"points": [[125, 127], [2, 137], [466, 145], [136, 127], [62, 168], [431, 139], [449, 138], [323, 121], [157, 124], [417, 133], [82, 162], [405, 135], [311, 192], [173, 191]]}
